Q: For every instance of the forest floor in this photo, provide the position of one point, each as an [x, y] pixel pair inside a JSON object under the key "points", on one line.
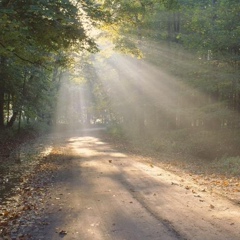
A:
{"points": [[90, 187]]}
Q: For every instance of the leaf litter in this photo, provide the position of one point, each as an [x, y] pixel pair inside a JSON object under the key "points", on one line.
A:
{"points": [[23, 208], [209, 176]]}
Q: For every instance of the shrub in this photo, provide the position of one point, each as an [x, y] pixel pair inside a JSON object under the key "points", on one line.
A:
{"points": [[116, 131], [230, 165]]}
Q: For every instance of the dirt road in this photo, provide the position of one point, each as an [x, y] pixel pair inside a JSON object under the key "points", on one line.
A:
{"points": [[106, 195]]}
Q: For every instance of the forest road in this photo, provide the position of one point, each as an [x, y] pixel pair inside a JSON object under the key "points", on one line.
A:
{"points": [[107, 195]]}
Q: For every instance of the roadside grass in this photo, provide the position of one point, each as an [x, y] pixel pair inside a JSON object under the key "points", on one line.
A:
{"points": [[211, 159], [199, 150], [227, 165]]}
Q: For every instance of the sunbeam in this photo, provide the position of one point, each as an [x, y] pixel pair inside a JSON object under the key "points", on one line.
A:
{"points": [[147, 98], [140, 84]]}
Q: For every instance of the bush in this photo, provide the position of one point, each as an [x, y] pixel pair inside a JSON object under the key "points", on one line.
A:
{"points": [[229, 165], [208, 145], [116, 131]]}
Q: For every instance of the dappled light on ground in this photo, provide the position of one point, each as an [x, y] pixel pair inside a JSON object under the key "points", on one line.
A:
{"points": [[90, 190], [105, 194], [83, 146]]}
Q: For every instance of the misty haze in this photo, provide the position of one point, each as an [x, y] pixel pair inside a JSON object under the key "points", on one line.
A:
{"points": [[119, 120]]}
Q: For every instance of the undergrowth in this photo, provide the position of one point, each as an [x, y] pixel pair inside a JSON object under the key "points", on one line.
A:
{"points": [[11, 138], [217, 151]]}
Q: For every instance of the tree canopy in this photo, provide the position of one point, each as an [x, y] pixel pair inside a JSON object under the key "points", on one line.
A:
{"points": [[39, 39], [36, 39]]}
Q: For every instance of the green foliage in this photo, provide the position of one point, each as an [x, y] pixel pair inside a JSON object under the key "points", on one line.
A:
{"points": [[230, 165], [128, 19], [51, 25], [127, 46], [35, 42], [212, 27], [35, 128], [116, 131]]}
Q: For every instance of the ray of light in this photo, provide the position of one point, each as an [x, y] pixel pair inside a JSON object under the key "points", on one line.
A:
{"points": [[141, 84]]}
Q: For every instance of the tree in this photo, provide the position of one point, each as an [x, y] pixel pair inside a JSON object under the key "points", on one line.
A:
{"points": [[36, 36], [207, 29]]}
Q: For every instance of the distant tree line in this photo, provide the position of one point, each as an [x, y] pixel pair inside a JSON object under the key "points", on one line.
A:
{"points": [[197, 42]]}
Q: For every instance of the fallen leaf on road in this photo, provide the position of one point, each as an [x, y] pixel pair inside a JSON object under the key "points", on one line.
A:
{"points": [[197, 196], [63, 232]]}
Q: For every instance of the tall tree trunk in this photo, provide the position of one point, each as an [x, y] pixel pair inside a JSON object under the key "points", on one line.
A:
{"points": [[2, 91], [1, 107], [13, 119], [141, 94], [8, 106], [19, 121]]}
